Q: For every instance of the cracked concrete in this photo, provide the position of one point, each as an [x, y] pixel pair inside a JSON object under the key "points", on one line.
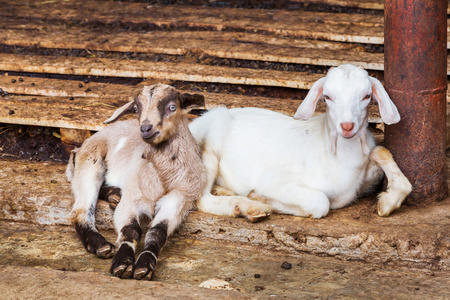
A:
{"points": [[414, 236], [48, 261]]}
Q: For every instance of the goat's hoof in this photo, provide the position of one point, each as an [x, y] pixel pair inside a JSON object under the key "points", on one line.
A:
{"points": [[389, 202], [144, 266], [258, 216], [106, 251], [142, 273], [237, 211], [220, 191], [113, 201], [123, 271]]}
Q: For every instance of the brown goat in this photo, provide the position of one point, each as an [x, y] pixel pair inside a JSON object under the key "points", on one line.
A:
{"points": [[155, 162]]}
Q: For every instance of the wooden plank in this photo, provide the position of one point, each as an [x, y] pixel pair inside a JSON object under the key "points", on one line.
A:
{"points": [[233, 45], [336, 27], [50, 31], [359, 28], [175, 44], [164, 43], [54, 112], [364, 4], [181, 43], [65, 88], [109, 11], [109, 101], [158, 70], [42, 106], [89, 113]]}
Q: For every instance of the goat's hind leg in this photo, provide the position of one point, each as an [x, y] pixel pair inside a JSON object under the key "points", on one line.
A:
{"points": [[111, 194], [223, 202], [87, 179], [398, 185]]}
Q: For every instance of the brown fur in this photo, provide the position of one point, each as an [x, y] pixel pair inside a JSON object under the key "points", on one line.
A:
{"points": [[156, 163]]}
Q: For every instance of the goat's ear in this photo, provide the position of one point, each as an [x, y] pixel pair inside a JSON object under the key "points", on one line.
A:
{"points": [[308, 106], [127, 108], [388, 110], [190, 101]]}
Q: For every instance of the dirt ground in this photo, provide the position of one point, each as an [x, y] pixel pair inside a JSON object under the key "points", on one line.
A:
{"points": [[51, 256]]}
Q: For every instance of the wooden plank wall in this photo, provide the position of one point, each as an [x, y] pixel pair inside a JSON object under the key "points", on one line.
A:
{"points": [[49, 48]]}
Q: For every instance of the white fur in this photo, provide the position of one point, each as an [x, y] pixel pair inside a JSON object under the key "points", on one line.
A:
{"points": [[120, 144], [300, 167]]}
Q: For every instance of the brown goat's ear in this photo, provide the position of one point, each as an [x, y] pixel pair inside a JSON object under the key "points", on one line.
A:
{"points": [[191, 101], [127, 108]]}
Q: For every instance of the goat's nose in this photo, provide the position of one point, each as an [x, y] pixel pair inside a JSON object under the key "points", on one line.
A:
{"points": [[347, 126], [146, 128]]}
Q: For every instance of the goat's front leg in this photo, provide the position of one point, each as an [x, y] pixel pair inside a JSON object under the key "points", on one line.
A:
{"points": [[398, 185], [170, 211], [129, 236]]}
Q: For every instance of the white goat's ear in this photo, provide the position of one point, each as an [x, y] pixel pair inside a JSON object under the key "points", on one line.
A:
{"points": [[388, 110], [190, 101], [308, 106], [127, 108]]}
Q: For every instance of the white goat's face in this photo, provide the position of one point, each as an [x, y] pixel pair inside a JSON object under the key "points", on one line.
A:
{"points": [[160, 108], [347, 93], [347, 90]]}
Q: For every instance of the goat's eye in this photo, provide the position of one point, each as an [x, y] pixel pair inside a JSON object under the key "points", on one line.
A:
{"points": [[172, 107], [327, 98], [367, 97]]}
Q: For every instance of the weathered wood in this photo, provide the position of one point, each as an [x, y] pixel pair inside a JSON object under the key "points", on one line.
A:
{"points": [[174, 14], [175, 43], [145, 39], [89, 113], [158, 70], [336, 27], [181, 43], [66, 88], [85, 113], [364, 4], [74, 136]]}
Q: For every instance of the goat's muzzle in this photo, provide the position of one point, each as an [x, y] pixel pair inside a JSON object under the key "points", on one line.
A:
{"points": [[147, 131], [347, 129]]}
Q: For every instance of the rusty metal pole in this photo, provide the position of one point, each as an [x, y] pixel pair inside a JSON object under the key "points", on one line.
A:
{"points": [[415, 40]]}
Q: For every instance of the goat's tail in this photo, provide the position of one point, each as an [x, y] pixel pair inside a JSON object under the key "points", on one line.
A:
{"points": [[70, 170]]}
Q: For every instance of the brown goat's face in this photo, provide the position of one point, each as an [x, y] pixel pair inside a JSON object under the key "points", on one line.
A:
{"points": [[160, 108], [159, 112]]}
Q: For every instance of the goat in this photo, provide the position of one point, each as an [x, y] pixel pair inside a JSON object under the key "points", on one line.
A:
{"points": [[157, 165], [302, 166]]}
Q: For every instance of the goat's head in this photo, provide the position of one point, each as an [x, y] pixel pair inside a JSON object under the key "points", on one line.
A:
{"points": [[347, 91], [160, 108]]}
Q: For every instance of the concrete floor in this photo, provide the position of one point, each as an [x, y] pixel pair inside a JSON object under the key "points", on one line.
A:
{"points": [[38, 261], [350, 254]]}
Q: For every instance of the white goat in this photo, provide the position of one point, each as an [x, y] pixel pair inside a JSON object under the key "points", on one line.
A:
{"points": [[157, 165], [299, 167]]}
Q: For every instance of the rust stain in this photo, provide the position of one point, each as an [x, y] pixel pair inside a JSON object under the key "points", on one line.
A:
{"points": [[416, 80]]}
